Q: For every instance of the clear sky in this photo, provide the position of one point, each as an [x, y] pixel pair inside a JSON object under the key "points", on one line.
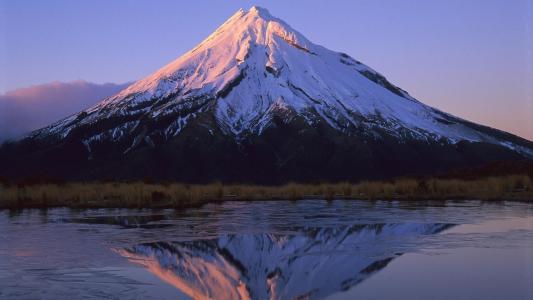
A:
{"points": [[472, 58]]}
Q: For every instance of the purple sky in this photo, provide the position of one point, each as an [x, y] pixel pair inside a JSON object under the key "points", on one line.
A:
{"points": [[472, 58]]}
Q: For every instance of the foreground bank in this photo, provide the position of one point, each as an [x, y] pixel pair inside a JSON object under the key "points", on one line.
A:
{"points": [[167, 195]]}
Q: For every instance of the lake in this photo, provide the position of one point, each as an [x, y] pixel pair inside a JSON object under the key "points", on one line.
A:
{"points": [[310, 249]]}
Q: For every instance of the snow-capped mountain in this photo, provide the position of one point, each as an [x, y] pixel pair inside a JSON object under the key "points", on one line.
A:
{"points": [[313, 264], [257, 93]]}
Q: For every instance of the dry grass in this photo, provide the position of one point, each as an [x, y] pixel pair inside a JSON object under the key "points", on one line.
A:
{"points": [[140, 194]]}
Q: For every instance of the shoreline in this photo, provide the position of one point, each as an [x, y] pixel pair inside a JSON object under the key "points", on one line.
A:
{"points": [[177, 195]]}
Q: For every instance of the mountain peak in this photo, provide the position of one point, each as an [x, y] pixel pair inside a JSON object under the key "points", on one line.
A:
{"points": [[220, 58], [260, 11], [248, 18]]}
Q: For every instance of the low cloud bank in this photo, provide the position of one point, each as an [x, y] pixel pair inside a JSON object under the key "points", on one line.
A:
{"points": [[27, 109]]}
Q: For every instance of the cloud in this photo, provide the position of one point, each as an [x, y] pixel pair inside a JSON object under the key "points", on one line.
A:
{"points": [[26, 109]]}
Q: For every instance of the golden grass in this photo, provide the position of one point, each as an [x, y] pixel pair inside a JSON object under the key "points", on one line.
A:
{"points": [[140, 194]]}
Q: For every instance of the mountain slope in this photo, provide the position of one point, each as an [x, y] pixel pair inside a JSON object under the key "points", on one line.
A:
{"points": [[257, 101]]}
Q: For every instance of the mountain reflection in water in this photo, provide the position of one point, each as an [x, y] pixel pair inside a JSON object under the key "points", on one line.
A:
{"points": [[311, 263], [271, 250]]}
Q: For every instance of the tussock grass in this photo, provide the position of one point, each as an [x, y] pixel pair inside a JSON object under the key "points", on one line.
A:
{"points": [[144, 194]]}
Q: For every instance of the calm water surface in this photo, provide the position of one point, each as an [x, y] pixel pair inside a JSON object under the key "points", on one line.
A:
{"points": [[271, 250]]}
